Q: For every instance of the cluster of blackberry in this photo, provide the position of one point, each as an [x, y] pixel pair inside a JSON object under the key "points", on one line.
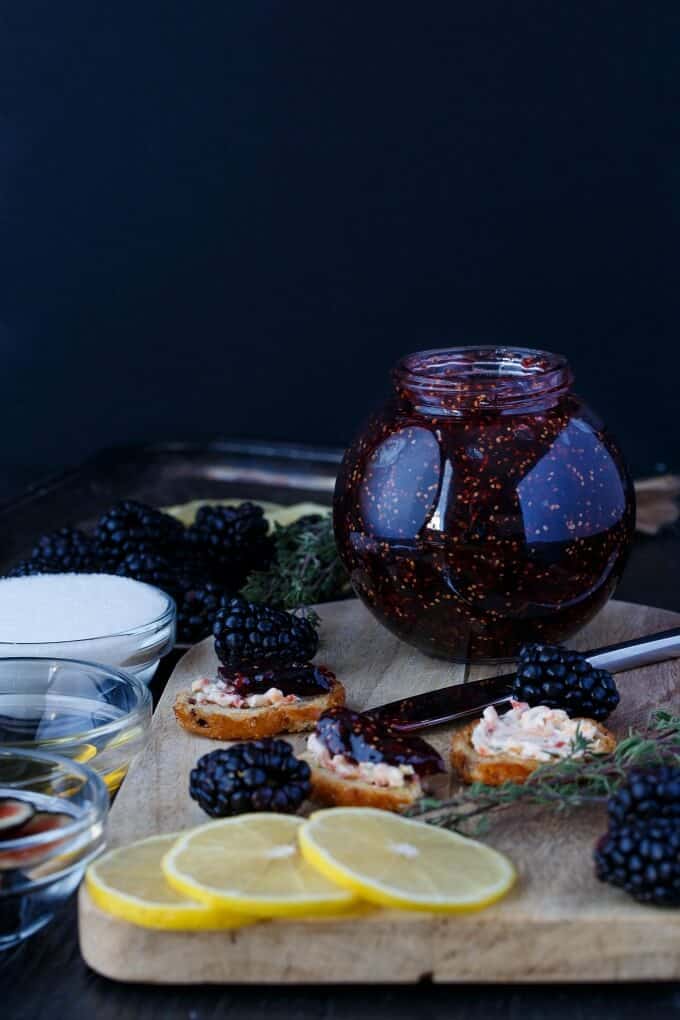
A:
{"points": [[561, 678], [260, 775], [640, 852], [66, 551], [201, 566], [250, 637]]}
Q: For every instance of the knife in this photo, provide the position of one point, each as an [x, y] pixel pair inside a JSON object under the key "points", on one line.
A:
{"points": [[462, 700]]}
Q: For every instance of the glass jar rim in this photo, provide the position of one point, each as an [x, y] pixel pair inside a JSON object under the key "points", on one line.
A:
{"points": [[457, 380]]}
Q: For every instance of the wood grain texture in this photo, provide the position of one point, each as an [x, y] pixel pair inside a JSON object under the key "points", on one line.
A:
{"points": [[559, 923]]}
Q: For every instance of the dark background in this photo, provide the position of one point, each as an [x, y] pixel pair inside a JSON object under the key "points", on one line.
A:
{"points": [[224, 218], [229, 217]]}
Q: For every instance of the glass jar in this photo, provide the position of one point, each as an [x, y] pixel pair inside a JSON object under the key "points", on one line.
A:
{"points": [[484, 506]]}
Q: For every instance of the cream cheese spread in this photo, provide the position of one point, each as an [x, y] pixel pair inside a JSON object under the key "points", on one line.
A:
{"points": [[219, 692], [540, 733]]}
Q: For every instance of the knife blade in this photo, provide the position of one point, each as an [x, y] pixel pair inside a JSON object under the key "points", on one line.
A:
{"points": [[459, 701]]}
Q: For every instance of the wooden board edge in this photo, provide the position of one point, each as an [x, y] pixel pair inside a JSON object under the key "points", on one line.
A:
{"points": [[456, 950]]}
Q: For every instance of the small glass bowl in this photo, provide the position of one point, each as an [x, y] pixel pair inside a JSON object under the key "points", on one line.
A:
{"points": [[38, 872], [137, 650], [92, 714]]}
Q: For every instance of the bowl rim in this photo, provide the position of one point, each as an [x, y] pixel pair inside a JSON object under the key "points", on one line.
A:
{"points": [[166, 617], [143, 699], [96, 809]]}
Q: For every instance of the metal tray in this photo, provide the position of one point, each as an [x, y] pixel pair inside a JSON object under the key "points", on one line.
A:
{"points": [[163, 474]]}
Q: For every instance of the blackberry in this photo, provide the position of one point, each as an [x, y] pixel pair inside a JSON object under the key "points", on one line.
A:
{"points": [[150, 568], [67, 551], [560, 678], [230, 541], [26, 568], [648, 793], [197, 605], [194, 560], [250, 636], [131, 527], [643, 858], [261, 775]]}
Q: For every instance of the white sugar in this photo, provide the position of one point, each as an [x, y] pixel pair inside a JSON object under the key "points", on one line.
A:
{"points": [[74, 607], [90, 617]]}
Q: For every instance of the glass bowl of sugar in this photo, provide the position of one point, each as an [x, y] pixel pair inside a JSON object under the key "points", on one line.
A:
{"points": [[91, 617]]}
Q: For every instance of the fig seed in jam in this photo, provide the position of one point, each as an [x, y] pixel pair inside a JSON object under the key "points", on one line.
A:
{"points": [[360, 738], [484, 506]]}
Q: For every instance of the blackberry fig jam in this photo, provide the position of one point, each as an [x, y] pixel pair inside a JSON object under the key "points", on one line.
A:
{"points": [[360, 738], [305, 681], [485, 506]]}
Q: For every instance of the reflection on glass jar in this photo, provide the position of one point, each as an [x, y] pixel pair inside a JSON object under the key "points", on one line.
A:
{"points": [[484, 505]]}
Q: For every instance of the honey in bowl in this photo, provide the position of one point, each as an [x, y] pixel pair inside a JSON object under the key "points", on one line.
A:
{"points": [[94, 715]]}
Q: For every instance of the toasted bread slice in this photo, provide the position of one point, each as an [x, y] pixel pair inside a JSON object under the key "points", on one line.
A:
{"points": [[330, 788], [219, 723], [494, 770]]}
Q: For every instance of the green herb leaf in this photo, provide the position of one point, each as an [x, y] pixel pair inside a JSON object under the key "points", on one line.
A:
{"points": [[306, 568]]}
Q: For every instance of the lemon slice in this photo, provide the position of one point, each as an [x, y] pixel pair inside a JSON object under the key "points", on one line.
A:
{"points": [[128, 883], [252, 864], [397, 862]]}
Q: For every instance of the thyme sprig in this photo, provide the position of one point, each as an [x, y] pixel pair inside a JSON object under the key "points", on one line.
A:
{"points": [[566, 783], [306, 567]]}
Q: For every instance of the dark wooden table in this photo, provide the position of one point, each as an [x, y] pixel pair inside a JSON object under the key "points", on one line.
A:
{"points": [[46, 977]]}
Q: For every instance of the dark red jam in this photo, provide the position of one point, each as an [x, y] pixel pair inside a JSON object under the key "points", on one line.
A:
{"points": [[359, 738], [484, 506], [305, 681]]}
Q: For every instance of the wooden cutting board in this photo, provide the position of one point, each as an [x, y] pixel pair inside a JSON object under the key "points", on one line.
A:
{"points": [[558, 924]]}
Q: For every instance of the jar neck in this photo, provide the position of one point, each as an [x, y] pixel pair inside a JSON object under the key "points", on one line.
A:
{"points": [[463, 381]]}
